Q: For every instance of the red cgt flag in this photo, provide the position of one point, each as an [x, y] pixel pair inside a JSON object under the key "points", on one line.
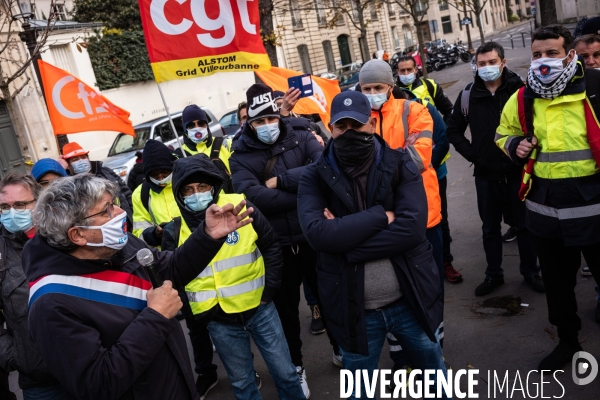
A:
{"points": [[319, 103], [76, 107], [187, 39]]}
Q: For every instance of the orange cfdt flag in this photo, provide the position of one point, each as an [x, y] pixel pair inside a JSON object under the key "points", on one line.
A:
{"points": [[319, 103], [76, 107]]}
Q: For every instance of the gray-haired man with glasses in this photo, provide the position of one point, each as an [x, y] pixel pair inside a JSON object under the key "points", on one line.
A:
{"points": [[18, 194], [93, 314]]}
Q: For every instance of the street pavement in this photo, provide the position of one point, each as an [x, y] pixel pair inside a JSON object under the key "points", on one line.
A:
{"points": [[488, 342]]}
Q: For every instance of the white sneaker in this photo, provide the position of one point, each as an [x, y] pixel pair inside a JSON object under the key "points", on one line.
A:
{"points": [[302, 376], [337, 360]]}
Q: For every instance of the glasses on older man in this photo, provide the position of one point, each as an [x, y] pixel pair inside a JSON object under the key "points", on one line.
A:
{"points": [[109, 210], [19, 206]]}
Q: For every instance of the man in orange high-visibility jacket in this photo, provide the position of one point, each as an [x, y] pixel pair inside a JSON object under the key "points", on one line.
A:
{"points": [[407, 125]]}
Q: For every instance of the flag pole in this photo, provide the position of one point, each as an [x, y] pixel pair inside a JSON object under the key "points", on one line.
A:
{"points": [[171, 120]]}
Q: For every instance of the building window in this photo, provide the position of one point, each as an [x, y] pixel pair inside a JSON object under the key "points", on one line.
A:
{"points": [[296, 18], [378, 42], [304, 59], [395, 37], [528, 10], [391, 11], [321, 18], [422, 7], [446, 25], [517, 1], [407, 35], [443, 5], [61, 12], [374, 13]]}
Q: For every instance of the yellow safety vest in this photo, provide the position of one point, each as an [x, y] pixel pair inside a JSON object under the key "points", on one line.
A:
{"points": [[560, 128], [235, 277], [201, 147], [162, 208], [422, 92]]}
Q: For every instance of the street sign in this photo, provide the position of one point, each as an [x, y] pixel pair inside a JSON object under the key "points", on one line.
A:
{"points": [[466, 21], [433, 26], [533, 10]]}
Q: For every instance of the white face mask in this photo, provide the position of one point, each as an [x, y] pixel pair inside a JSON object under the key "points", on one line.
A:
{"points": [[164, 182], [489, 73], [81, 166], [197, 135], [407, 79], [114, 233], [547, 69], [268, 133], [377, 99]]}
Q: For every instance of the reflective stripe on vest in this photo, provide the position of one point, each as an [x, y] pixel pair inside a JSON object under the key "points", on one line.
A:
{"points": [[563, 213], [235, 278], [562, 156]]}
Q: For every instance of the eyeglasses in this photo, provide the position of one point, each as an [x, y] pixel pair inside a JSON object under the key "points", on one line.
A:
{"points": [[197, 188], [19, 206], [110, 209]]}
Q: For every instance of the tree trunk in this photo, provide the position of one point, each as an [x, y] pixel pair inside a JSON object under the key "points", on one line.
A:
{"points": [[469, 42], [363, 31], [547, 10], [266, 29], [421, 42], [480, 25], [10, 107]]}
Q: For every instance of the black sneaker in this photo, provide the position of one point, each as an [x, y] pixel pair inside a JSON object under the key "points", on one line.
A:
{"points": [[510, 235], [488, 286], [204, 383], [536, 283], [316, 324], [598, 312], [257, 380], [560, 356]]}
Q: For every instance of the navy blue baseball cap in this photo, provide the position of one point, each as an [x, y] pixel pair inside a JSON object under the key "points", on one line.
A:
{"points": [[350, 104]]}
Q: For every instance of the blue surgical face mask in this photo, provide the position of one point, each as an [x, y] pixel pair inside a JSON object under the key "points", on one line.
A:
{"points": [[489, 73], [268, 133], [377, 99], [81, 166], [198, 201], [197, 135], [407, 79], [17, 221]]}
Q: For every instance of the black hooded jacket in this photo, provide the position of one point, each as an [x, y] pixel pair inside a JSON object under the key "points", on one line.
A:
{"points": [[485, 110], [201, 169], [295, 149]]}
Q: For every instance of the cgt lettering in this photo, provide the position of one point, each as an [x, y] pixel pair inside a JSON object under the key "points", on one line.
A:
{"points": [[187, 72]]}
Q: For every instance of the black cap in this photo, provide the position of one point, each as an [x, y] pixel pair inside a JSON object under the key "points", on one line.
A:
{"points": [[261, 103], [350, 104]]}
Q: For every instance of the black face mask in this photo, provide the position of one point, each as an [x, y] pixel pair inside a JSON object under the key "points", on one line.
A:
{"points": [[354, 148]]}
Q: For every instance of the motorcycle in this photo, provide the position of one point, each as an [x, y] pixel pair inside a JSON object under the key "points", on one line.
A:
{"points": [[463, 52]]}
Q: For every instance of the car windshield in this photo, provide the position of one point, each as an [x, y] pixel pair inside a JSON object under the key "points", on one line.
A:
{"points": [[349, 79], [126, 143]]}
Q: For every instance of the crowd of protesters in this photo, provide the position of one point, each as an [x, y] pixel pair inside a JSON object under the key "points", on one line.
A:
{"points": [[224, 233]]}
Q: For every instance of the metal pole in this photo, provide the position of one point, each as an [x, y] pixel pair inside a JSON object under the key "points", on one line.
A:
{"points": [[530, 27], [523, 37], [28, 36], [511, 42], [171, 120]]}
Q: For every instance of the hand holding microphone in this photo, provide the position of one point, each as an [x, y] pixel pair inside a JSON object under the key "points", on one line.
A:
{"points": [[162, 298]]}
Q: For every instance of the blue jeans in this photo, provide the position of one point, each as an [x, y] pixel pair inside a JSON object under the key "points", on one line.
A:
{"points": [[49, 392], [400, 321], [233, 345], [490, 198]]}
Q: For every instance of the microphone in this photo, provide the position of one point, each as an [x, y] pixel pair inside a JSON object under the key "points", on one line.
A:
{"points": [[146, 260]]}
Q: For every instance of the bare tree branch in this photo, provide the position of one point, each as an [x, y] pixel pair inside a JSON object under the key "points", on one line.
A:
{"points": [[14, 95]]}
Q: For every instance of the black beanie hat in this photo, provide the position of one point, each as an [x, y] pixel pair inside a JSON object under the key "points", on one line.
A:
{"points": [[193, 113], [260, 102], [157, 156], [592, 26]]}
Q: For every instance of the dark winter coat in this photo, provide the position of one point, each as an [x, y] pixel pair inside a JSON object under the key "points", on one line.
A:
{"points": [[267, 242], [99, 350], [136, 176], [354, 237], [485, 110], [295, 148], [17, 351]]}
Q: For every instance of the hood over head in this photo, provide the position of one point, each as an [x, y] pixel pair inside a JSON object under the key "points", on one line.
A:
{"points": [[194, 113], [198, 168], [157, 156]]}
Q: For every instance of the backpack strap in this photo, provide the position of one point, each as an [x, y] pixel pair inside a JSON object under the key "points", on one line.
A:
{"points": [[464, 100], [215, 150], [177, 233], [430, 87], [145, 195], [269, 167]]}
